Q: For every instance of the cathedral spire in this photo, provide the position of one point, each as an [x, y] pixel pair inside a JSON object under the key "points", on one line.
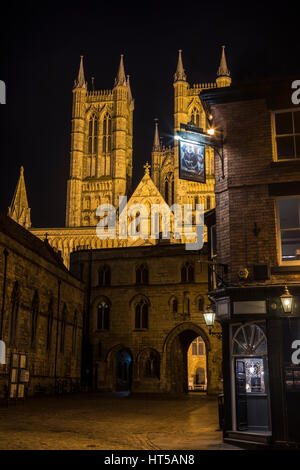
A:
{"points": [[19, 209], [121, 78], [223, 69], [80, 82], [129, 90], [180, 73], [156, 143]]}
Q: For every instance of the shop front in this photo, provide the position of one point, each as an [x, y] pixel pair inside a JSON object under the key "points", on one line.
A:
{"points": [[261, 366]]}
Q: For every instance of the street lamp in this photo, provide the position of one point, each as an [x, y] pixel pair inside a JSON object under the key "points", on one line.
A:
{"points": [[287, 301], [209, 317]]}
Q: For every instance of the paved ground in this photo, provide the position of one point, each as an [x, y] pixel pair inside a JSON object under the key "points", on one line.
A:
{"points": [[111, 422]]}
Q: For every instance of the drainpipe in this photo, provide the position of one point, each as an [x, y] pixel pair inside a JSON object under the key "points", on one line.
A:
{"points": [[57, 323], [5, 252]]}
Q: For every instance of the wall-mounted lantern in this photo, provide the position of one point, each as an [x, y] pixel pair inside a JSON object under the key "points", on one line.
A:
{"points": [[287, 301]]}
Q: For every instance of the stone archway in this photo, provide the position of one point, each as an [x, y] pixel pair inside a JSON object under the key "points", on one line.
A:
{"points": [[118, 376], [174, 366]]}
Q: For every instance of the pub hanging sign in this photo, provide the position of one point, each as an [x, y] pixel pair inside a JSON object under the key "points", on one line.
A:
{"points": [[191, 161]]}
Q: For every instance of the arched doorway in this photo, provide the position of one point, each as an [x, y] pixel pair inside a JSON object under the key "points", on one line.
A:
{"points": [[123, 370], [176, 356], [118, 374], [197, 365]]}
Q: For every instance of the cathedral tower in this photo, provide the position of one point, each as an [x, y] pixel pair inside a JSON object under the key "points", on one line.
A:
{"points": [[187, 108], [101, 148]]}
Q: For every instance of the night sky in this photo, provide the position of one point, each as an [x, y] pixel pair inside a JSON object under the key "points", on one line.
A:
{"points": [[41, 44]]}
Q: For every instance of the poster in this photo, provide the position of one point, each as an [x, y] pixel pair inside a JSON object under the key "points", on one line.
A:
{"points": [[191, 161]]}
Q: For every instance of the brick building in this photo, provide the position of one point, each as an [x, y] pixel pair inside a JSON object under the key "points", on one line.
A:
{"points": [[41, 316], [255, 244], [145, 310]]}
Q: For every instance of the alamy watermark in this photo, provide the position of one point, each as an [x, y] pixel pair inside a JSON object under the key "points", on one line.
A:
{"points": [[2, 92], [135, 222], [296, 94]]}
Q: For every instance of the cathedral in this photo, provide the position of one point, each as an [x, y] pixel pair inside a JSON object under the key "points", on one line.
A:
{"points": [[101, 161], [144, 328]]}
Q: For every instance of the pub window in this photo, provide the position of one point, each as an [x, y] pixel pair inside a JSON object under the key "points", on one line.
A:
{"points": [[142, 275], [287, 134], [141, 315], [103, 316], [289, 229], [187, 272]]}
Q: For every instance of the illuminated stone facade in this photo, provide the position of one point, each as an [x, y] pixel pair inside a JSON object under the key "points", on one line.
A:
{"points": [[101, 160], [145, 309]]}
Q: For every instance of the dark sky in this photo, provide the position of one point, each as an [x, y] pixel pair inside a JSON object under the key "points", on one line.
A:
{"points": [[40, 47]]}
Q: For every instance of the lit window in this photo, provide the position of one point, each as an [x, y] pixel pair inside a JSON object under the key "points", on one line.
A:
{"points": [[289, 229], [287, 134]]}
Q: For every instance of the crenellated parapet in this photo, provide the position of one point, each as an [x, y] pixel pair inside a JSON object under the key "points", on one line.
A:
{"points": [[99, 95]]}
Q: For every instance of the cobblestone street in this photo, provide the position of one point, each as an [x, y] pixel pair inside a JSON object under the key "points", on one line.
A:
{"points": [[112, 422]]}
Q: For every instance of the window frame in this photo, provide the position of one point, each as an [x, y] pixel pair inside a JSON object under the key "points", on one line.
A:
{"points": [[273, 124], [278, 233]]}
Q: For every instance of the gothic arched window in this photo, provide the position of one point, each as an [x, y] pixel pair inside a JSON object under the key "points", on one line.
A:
{"points": [[198, 347], [15, 302], [104, 276], [174, 305], [103, 316], [107, 135], [166, 190], [187, 272], [141, 315], [142, 275], [208, 202], [34, 318], [195, 117], [93, 136], [152, 364], [200, 303]]}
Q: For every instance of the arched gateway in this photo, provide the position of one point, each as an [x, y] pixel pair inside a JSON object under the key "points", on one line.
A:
{"points": [[174, 364]]}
